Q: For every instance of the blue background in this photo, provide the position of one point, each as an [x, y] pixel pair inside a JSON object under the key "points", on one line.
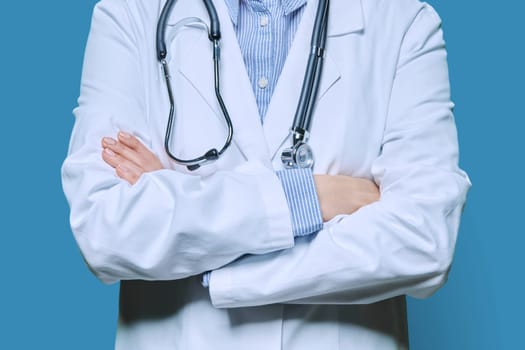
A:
{"points": [[50, 300]]}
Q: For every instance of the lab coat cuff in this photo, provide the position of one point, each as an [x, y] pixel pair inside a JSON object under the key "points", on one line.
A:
{"points": [[220, 288], [280, 230]]}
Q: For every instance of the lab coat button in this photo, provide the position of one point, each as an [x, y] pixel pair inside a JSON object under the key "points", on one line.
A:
{"points": [[262, 83]]}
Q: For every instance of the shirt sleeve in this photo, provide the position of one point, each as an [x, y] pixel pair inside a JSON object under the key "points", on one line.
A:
{"points": [[301, 196]]}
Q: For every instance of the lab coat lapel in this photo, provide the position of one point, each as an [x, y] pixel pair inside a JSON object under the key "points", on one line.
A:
{"points": [[345, 17], [197, 67]]}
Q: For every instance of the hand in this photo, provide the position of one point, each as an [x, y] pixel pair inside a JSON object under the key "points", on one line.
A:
{"points": [[129, 157], [343, 194]]}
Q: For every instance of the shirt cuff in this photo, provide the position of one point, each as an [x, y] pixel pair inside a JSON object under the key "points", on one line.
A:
{"points": [[301, 195]]}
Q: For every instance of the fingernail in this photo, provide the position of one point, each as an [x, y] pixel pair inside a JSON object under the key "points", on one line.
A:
{"points": [[124, 135], [109, 152], [109, 141]]}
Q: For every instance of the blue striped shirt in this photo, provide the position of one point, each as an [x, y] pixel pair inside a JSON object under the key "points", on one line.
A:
{"points": [[265, 30], [299, 189]]}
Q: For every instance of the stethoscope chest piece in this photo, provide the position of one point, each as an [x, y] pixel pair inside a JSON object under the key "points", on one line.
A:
{"points": [[298, 156]]}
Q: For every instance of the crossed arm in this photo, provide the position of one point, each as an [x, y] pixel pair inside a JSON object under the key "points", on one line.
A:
{"points": [[400, 244], [337, 194]]}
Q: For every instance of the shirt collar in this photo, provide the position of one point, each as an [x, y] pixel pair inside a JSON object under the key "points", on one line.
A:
{"points": [[289, 6]]}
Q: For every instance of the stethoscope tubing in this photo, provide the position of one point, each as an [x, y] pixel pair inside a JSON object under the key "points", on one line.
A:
{"points": [[214, 34], [305, 107], [309, 91]]}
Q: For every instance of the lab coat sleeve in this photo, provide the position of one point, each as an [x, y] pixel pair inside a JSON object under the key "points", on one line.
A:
{"points": [[168, 225], [401, 244]]}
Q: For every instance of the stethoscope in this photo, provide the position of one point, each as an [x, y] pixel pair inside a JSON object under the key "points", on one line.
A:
{"points": [[300, 155]]}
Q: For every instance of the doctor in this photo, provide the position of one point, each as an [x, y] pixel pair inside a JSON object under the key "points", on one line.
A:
{"points": [[383, 116]]}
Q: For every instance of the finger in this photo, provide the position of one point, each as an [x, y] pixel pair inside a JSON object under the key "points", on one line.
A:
{"points": [[130, 141], [110, 157], [148, 160], [129, 174], [123, 151], [115, 160], [125, 168]]}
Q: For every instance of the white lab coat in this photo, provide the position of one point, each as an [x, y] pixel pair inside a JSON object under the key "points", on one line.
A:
{"points": [[383, 113]]}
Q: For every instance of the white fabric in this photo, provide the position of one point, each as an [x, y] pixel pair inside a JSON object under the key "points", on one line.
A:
{"points": [[384, 113]]}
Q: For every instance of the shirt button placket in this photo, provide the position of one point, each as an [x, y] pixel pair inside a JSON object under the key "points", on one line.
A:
{"points": [[263, 82], [264, 20]]}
